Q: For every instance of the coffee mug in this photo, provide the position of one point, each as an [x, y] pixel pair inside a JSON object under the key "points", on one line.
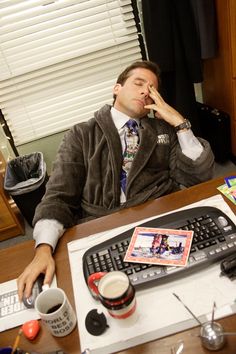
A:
{"points": [[115, 292], [56, 311]]}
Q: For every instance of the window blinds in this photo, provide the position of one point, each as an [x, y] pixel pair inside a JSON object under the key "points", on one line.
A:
{"points": [[59, 61]]}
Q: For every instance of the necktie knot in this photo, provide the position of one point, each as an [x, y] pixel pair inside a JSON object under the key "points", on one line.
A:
{"points": [[132, 126]]}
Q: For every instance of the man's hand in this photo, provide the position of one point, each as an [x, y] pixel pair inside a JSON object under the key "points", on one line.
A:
{"points": [[163, 110], [43, 262]]}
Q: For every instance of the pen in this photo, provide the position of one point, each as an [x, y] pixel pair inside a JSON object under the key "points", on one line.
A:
{"points": [[213, 313], [177, 297], [15, 345]]}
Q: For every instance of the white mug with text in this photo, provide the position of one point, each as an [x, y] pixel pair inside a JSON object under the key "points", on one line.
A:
{"points": [[56, 311]]}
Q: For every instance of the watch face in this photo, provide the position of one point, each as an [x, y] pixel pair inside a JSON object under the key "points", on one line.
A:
{"points": [[188, 124]]}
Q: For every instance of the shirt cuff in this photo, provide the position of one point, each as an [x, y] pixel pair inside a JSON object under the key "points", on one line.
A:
{"points": [[48, 231], [190, 145]]}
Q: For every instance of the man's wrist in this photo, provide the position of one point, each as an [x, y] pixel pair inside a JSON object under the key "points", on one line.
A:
{"points": [[44, 247], [185, 125]]}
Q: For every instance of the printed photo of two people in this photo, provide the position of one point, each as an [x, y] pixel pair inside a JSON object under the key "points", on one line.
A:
{"points": [[159, 246]]}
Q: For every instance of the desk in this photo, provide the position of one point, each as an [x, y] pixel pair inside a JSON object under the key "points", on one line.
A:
{"points": [[13, 261]]}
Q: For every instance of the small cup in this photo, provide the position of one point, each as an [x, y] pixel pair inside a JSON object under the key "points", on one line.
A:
{"points": [[115, 292], [55, 311]]}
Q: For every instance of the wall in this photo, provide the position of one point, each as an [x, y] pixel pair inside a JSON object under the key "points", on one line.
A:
{"points": [[48, 146]]}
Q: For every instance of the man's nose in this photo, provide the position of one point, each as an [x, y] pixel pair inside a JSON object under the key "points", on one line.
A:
{"points": [[145, 92]]}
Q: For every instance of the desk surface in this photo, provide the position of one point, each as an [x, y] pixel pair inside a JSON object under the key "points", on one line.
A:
{"points": [[13, 260]]}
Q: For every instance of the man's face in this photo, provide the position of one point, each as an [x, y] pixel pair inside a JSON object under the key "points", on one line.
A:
{"points": [[134, 94]]}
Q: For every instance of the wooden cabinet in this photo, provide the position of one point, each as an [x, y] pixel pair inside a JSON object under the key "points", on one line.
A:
{"points": [[219, 85], [11, 220]]}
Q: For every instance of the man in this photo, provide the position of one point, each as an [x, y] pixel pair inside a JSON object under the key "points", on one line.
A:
{"points": [[85, 182]]}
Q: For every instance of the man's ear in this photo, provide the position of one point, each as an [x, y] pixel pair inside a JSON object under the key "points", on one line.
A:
{"points": [[116, 88]]}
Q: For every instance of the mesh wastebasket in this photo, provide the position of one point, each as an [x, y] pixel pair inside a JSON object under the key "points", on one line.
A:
{"points": [[25, 180]]}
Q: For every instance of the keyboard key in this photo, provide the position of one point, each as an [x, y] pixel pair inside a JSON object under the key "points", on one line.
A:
{"points": [[200, 256], [221, 238], [228, 228]]}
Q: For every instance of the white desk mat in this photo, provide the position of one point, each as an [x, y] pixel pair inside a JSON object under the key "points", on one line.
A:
{"points": [[159, 313]]}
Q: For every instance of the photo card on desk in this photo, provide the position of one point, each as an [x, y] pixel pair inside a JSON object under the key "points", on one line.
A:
{"points": [[159, 246]]}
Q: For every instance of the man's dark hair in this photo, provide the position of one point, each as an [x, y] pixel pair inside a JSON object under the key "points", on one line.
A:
{"points": [[149, 65]]}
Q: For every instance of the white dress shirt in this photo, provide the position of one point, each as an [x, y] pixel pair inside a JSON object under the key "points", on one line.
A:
{"points": [[49, 231]]}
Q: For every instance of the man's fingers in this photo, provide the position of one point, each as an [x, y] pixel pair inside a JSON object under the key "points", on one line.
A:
{"points": [[25, 283], [151, 106], [43, 262], [21, 288], [49, 274], [155, 95], [28, 287]]}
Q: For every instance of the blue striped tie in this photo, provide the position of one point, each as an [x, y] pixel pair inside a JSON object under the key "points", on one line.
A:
{"points": [[131, 147]]}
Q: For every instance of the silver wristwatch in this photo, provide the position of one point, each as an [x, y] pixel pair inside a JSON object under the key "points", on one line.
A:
{"points": [[185, 125]]}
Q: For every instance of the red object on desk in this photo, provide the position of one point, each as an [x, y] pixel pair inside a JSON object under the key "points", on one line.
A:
{"points": [[31, 329]]}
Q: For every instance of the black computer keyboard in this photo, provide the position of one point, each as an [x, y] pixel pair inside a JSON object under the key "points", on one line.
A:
{"points": [[214, 238]]}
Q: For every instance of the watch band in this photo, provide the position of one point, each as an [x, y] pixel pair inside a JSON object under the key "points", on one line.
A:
{"points": [[185, 125]]}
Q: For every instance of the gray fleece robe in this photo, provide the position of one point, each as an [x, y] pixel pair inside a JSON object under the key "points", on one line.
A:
{"points": [[86, 174]]}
